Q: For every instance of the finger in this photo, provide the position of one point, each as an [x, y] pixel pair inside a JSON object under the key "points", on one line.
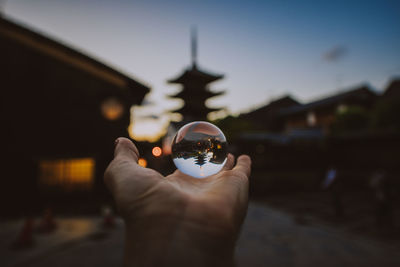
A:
{"points": [[234, 186], [243, 165], [126, 150], [230, 162]]}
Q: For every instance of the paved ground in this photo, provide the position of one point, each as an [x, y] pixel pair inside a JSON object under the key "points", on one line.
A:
{"points": [[272, 238], [269, 238]]}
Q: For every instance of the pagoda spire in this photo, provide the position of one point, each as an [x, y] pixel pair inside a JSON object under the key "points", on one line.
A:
{"points": [[193, 50]]}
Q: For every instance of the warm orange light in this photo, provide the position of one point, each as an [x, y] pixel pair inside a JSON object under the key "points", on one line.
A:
{"points": [[68, 174], [142, 162], [157, 151], [166, 146], [112, 108]]}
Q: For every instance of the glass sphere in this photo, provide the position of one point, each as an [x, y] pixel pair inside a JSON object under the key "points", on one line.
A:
{"points": [[199, 149]]}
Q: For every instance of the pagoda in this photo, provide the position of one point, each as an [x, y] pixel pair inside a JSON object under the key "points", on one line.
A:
{"points": [[195, 90]]}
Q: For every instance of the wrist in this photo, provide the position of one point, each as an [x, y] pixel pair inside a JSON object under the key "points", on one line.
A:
{"points": [[173, 242]]}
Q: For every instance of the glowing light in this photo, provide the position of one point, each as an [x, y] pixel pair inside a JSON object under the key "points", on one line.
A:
{"points": [[142, 162], [112, 109], [311, 118], [69, 174], [145, 129], [342, 108], [166, 146], [157, 151]]}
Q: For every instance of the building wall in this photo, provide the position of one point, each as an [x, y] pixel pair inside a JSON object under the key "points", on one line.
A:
{"points": [[51, 111], [321, 118]]}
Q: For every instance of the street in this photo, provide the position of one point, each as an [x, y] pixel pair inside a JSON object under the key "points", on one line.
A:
{"points": [[269, 238]]}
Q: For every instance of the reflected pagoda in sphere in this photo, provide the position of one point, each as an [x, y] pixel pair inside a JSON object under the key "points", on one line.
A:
{"points": [[199, 149]]}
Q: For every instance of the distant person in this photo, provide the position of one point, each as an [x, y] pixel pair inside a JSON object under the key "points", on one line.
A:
{"points": [[330, 178], [379, 183], [331, 184], [178, 220]]}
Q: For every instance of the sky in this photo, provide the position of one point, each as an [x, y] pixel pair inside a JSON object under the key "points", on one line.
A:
{"points": [[265, 49]]}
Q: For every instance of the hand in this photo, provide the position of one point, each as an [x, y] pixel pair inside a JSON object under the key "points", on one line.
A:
{"points": [[178, 220]]}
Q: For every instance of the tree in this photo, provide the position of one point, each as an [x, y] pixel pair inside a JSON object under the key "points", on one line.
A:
{"points": [[354, 119], [233, 126], [386, 114]]}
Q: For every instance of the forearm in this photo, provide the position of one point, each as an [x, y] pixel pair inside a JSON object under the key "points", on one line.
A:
{"points": [[173, 243]]}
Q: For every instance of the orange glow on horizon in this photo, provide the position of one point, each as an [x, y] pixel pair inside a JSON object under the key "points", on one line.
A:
{"points": [[157, 151], [147, 130]]}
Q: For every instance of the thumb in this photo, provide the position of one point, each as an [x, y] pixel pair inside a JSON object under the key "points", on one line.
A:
{"points": [[125, 150]]}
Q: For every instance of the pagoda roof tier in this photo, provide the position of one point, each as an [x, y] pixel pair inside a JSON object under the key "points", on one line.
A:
{"points": [[196, 111], [187, 93], [194, 75]]}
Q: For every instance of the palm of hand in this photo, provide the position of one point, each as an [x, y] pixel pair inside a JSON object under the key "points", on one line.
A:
{"points": [[142, 193]]}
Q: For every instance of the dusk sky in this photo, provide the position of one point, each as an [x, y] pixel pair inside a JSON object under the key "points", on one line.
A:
{"points": [[265, 49]]}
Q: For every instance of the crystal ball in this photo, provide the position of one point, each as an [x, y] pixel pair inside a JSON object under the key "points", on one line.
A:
{"points": [[199, 149]]}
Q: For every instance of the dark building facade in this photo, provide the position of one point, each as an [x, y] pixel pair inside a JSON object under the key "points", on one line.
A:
{"points": [[267, 117], [393, 90], [285, 114], [60, 114], [320, 114], [308, 140]]}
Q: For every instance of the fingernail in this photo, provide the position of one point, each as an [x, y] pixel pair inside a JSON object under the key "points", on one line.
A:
{"points": [[116, 141]]}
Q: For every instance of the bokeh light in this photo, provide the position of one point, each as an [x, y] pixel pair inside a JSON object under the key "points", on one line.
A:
{"points": [[157, 151], [142, 162]]}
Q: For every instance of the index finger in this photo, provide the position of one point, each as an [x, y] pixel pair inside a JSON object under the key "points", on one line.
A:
{"points": [[126, 150]]}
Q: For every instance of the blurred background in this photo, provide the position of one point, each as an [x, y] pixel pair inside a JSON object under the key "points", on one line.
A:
{"points": [[309, 89]]}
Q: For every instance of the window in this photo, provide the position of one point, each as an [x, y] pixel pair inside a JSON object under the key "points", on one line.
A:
{"points": [[342, 108], [311, 119], [67, 174]]}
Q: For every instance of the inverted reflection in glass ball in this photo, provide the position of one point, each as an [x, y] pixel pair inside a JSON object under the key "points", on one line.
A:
{"points": [[199, 149]]}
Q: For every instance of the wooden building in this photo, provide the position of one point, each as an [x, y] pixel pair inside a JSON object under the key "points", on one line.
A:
{"points": [[393, 90], [266, 117], [61, 111], [320, 114]]}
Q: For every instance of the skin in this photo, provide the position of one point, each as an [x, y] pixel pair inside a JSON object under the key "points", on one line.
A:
{"points": [[178, 220]]}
